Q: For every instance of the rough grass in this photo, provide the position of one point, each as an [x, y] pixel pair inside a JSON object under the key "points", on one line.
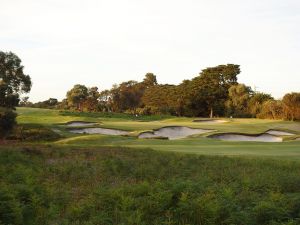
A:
{"points": [[60, 186]]}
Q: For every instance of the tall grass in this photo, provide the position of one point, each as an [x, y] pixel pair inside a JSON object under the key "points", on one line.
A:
{"points": [[42, 185]]}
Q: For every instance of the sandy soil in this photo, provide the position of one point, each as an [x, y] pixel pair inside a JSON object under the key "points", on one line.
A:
{"points": [[278, 133], [243, 137], [173, 132], [99, 130]]}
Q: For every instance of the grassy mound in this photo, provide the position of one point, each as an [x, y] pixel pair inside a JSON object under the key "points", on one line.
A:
{"points": [[42, 185]]}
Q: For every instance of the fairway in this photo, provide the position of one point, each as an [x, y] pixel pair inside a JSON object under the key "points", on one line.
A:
{"points": [[197, 144]]}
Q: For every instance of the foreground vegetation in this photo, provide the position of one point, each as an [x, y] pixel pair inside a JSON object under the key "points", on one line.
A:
{"points": [[47, 185], [51, 176]]}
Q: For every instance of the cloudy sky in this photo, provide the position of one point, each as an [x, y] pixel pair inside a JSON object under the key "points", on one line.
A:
{"points": [[99, 43]]}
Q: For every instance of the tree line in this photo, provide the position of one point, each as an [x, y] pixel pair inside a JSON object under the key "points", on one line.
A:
{"points": [[215, 92]]}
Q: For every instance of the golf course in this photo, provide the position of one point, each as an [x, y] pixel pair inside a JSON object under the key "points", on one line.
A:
{"points": [[59, 122], [58, 173], [149, 112]]}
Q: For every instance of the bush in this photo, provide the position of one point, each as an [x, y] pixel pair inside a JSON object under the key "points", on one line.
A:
{"points": [[53, 185], [7, 121], [32, 133]]}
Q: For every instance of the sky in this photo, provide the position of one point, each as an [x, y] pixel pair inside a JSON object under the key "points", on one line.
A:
{"points": [[102, 42]]}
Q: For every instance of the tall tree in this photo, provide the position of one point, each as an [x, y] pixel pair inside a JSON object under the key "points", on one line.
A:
{"points": [[211, 87], [91, 101], [256, 102], [149, 80], [77, 95], [238, 97], [13, 82], [271, 109], [291, 104]]}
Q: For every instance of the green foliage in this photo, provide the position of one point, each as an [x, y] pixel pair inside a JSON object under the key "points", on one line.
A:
{"points": [[121, 186], [51, 103], [211, 87], [238, 97], [31, 132], [256, 102], [77, 95], [149, 80], [271, 109], [7, 121], [291, 104], [162, 99], [13, 81]]}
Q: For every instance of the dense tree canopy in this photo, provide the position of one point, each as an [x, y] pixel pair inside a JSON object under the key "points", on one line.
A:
{"points": [[13, 82], [238, 97], [214, 92], [291, 105], [77, 95]]}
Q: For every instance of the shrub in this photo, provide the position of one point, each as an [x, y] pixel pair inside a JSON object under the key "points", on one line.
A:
{"points": [[7, 121], [33, 133]]}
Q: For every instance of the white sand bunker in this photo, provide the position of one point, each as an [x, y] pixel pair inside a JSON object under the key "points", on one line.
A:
{"points": [[210, 121], [244, 137], [56, 130], [279, 133], [79, 124], [173, 132], [99, 130]]}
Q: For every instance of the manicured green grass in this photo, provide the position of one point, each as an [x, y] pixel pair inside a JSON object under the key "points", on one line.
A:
{"points": [[62, 186], [197, 145], [204, 146]]}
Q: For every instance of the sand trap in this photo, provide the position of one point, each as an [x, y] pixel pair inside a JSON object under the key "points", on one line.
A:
{"points": [[79, 124], [244, 137], [56, 130], [210, 121], [173, 132], [278, 133], [99, 130]]}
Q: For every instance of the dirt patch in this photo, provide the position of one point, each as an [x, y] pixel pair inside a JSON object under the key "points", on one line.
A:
{"points": [[279, 133], [245, 137], [99, 130], [173, 132]]}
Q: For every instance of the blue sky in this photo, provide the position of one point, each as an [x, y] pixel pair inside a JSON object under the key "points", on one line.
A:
{"points": [[99, 43]]}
